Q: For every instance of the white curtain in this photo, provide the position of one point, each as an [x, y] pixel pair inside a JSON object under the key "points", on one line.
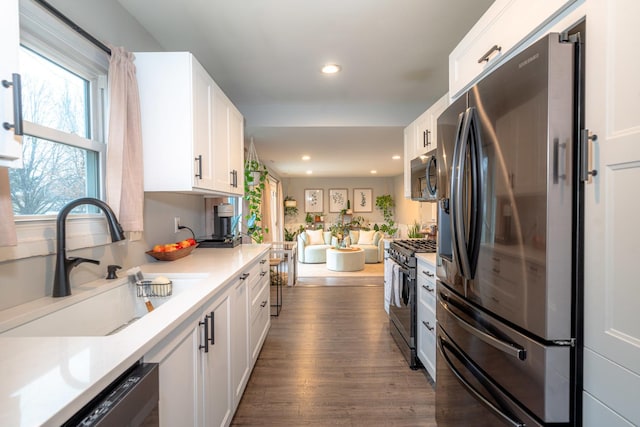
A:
{"points": [[8, 235], [266, 211], [279, 233], [125, 187]]}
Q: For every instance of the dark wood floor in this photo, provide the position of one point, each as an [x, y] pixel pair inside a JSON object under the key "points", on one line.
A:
{"points": [[329, 360]]}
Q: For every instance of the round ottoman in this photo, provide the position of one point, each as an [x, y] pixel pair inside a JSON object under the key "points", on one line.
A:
{"points": [[345, 259]]}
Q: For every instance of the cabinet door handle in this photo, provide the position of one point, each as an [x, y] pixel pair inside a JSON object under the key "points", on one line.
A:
{"points": [[427, 138], [263, 273], [206, 335], [428, 288], [486, 56], [427, 273], [212, 319], [262, 261], [263, 303], [199, 160], [16, 83], [585, 137], [244, 276], [428, 325]]}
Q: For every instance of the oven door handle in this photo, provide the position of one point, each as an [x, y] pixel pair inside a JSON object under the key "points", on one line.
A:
{"points": [[501, 413], [504, 346]]}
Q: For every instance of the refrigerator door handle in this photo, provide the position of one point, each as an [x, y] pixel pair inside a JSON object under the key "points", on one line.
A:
{"points": [[504, 346], [454, 206], [467, 251], [510, 419]]}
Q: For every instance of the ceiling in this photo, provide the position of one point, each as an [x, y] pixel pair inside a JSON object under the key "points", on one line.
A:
{"points": [[266, 56]]}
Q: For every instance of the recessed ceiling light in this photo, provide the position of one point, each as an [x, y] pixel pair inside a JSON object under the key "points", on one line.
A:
{"points": [[374, 171], [331, 68], [396, 157], [306, 157], [309, 172]]}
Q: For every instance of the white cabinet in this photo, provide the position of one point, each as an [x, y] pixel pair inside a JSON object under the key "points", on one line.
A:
{"points": [[259, 318], [504, 29], [10, 144], [240, 332], [426, 316], [205, 363], [178, 376], [192, 134], [229, 142], [215, 363], [409, 154], [612, 319], [420, 137]]}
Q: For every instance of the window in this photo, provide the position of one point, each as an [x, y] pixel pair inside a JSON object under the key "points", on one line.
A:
{"points": [[63, 98], [60, 161], [64, 79]]}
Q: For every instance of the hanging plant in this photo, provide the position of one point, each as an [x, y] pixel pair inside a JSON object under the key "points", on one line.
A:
{"points": [[290, 206], [255, 176], [385, 204]]}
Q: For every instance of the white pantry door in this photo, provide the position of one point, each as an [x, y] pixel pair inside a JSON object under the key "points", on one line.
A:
{"points": [[612, 214]]}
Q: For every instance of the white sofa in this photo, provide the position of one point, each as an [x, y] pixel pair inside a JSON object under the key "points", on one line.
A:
{"points": [[313, 245]]}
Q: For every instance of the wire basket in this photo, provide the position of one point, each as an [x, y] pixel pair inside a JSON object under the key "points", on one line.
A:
{"points": [[146, 288]]}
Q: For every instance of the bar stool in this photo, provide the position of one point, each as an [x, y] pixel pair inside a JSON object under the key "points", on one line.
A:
{"points": [[276, 280]]}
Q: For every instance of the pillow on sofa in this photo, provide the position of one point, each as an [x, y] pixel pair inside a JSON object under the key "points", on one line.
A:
{"points": [[366, 237], [315, 237]]}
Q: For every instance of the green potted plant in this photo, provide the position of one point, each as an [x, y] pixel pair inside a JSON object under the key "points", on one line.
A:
{"points": [[413, 231], [385, 204], [255, 176]]}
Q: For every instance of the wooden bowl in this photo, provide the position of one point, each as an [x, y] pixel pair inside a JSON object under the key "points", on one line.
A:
{"points": [[172, 256]]}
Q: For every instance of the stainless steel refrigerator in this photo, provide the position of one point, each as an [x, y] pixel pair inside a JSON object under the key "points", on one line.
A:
{"points": [[508, 250]]}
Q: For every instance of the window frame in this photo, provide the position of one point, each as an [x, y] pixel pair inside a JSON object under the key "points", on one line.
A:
{"points": [[43, 33]]}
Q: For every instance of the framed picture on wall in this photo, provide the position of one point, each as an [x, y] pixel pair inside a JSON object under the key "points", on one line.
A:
{"points": [[313, 200], [337, 199], [362, 200]]}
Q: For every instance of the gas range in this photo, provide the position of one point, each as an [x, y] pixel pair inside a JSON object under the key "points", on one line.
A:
{"points": [[404, 251]]}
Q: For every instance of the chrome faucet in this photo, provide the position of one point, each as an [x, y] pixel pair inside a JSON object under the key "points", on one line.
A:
{"points": [[61, 285]]}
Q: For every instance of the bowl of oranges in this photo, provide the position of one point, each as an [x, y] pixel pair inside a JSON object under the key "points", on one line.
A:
{"points": [[173, 251]]}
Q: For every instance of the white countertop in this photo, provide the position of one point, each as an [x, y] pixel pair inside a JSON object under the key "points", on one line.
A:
{"points": [[45, 380], [428, 257]]}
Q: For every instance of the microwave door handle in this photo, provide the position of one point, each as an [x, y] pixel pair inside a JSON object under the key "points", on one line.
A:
{"points": [[453, 206], [510, 419], [504, 346]]}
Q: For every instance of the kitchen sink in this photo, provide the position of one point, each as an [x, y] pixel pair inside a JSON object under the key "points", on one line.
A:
{"points": [[97, 309]]}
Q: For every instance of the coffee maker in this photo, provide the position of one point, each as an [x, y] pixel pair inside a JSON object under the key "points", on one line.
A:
{"points": [[222, 217]]}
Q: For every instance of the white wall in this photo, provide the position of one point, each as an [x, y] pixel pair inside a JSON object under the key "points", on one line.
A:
{"points": [[405, 210]]}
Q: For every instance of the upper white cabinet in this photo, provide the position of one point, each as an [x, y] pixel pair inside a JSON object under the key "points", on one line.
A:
{"points": [[192, 134], [503, 30], [10, 144], [228, 161], [410, 134], [420, 137]]}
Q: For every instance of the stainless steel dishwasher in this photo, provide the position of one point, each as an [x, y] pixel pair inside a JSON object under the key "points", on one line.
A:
{"points": [[131, 400]]}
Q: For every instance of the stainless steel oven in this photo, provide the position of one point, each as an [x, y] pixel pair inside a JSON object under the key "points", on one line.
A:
{"points": [[403, 314]]}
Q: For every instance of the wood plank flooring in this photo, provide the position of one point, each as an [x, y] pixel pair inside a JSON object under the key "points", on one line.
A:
{"points": [[329, 360]]}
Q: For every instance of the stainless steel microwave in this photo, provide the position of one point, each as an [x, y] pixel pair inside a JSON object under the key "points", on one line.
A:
{"points": [[424, 175]]}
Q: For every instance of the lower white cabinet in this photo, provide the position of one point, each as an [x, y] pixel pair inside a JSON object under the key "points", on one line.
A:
{"points": [[205, 363], [215, 362], [178, 376], [240, 332], [426, 316]]}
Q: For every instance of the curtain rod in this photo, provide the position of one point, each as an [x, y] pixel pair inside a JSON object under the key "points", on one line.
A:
{"points": [[55, 12]]}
